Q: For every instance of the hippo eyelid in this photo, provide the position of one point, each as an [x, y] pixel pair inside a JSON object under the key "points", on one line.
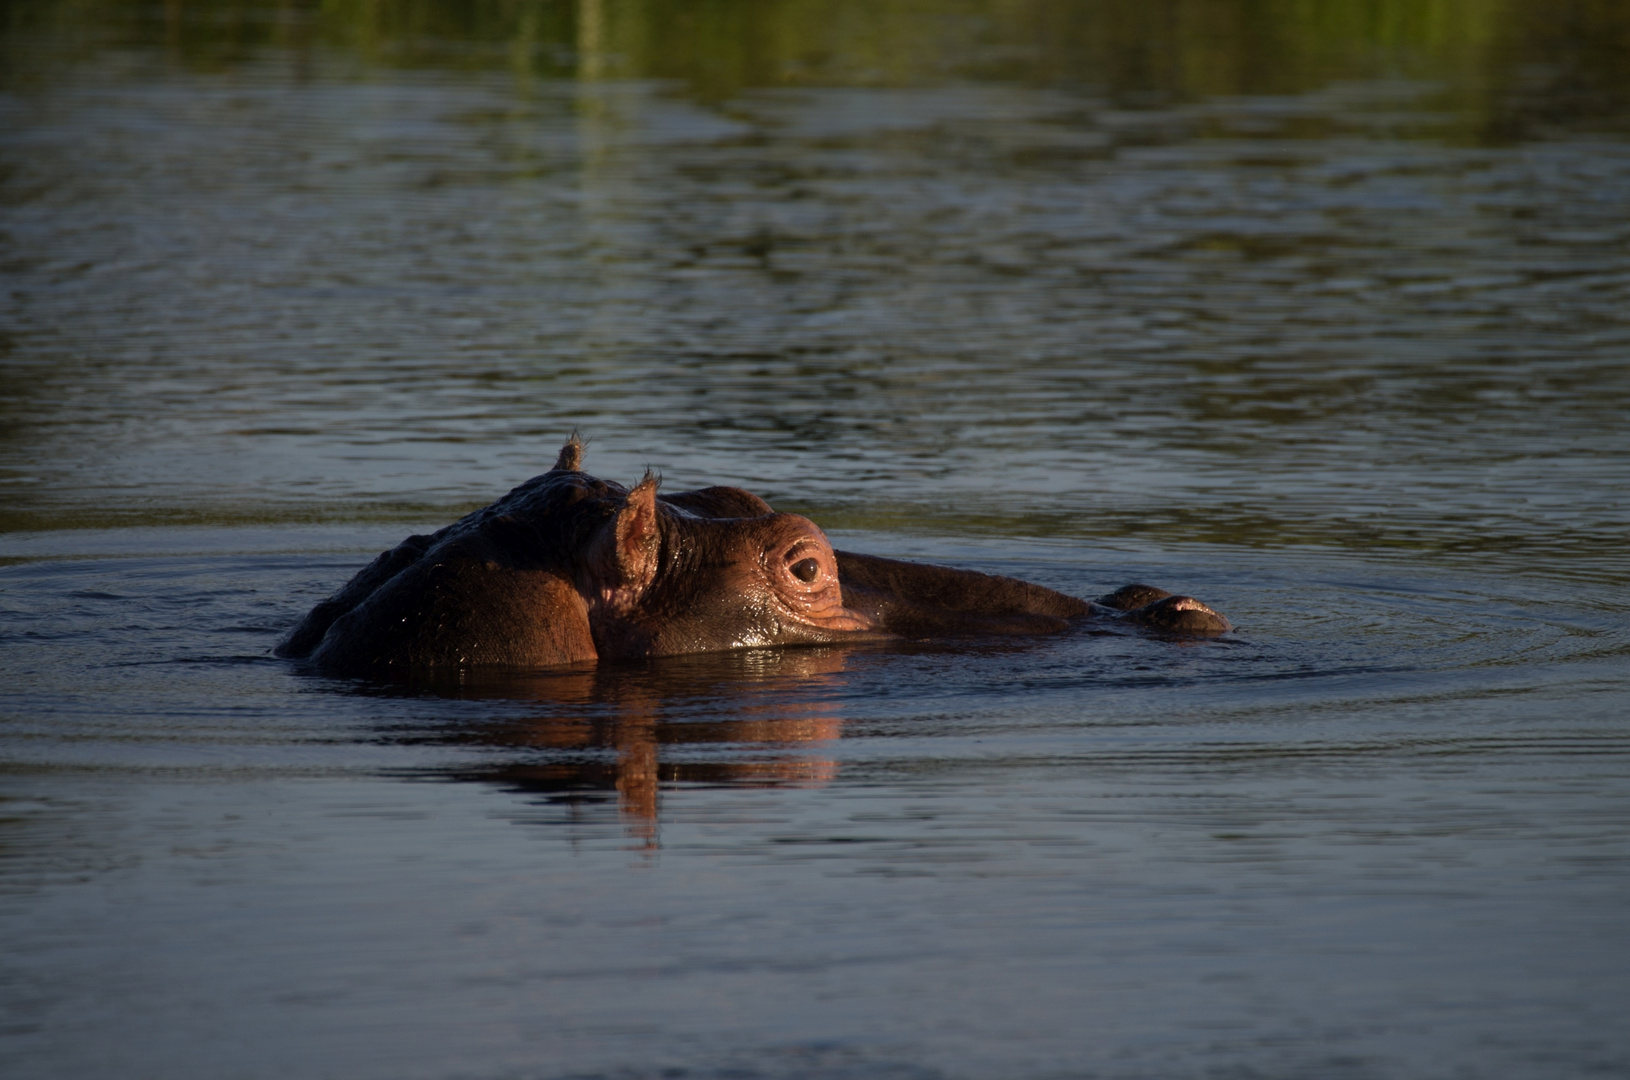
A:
{"points": [[803, 548]]}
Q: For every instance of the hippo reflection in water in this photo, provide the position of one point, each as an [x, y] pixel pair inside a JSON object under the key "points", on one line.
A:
{"points": [[619, 734], [567, 569]]}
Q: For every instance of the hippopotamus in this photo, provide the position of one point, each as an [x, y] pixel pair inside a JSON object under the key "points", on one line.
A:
{"points": [[567, 569]]}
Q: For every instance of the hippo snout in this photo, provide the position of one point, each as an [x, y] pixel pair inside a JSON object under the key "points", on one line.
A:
{"points": [[1179, 615]]}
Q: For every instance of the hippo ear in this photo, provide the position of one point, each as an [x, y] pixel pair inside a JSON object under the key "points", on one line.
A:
{"points": [[637, 540], [571, 456]]}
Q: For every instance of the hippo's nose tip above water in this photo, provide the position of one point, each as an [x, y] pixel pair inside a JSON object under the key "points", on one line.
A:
{"points": [[1180, 615], [1157, 609]]}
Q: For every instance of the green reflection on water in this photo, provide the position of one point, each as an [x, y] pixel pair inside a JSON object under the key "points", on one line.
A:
{"points": [[1512, 66]]}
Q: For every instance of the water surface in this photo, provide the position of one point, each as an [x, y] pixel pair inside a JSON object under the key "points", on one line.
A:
{"points": [[1320, 317]]}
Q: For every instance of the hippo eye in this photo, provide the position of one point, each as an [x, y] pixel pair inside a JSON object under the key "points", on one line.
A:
{"points": [[806, 570]]}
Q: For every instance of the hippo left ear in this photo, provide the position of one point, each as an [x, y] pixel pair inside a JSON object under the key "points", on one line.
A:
{"points": [[635, 536], [570, 458]]}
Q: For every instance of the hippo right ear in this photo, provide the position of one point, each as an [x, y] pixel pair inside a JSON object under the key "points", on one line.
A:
{"points": [[634, 538]]}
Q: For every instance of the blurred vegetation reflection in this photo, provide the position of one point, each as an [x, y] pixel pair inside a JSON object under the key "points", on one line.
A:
{"points": [[1520, 66]]}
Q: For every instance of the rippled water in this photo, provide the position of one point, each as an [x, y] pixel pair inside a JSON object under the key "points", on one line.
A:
{"points": [[1344, 360]]}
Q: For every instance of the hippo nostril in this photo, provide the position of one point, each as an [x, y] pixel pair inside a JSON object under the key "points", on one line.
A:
{"points": [[806, 570]]}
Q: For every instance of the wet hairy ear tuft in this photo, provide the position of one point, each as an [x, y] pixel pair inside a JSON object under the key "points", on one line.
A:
{"points": [[571, 455]]}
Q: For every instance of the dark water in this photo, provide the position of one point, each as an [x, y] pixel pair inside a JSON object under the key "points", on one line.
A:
{"points": [[1318, 312]]}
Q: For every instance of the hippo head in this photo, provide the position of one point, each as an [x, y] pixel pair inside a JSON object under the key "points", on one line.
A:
{"points": [[570, 569], [709, 570]]}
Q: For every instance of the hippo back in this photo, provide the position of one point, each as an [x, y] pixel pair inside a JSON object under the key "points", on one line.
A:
{"points": [[498, 586]]}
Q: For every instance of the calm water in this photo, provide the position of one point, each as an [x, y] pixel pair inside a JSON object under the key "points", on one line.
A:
{"points": [[1324, 318]]}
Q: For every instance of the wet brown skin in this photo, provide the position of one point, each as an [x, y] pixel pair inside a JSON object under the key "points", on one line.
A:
{"points": [[567, 569]]}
